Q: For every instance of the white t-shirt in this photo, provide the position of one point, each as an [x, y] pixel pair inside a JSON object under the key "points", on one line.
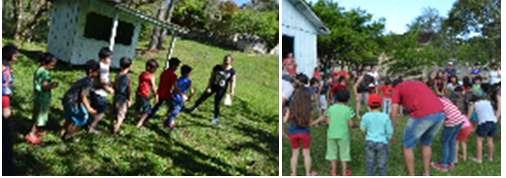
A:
{"points": [[287, 89], [495, 77], [104, 76], [485, 111]]}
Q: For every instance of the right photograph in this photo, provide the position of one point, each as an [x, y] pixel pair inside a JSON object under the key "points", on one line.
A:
{"points": [[397, 88]]}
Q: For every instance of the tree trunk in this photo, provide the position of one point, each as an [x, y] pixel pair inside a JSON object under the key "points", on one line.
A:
{"points": [[163, 34], [18, 15], [162, 11]]}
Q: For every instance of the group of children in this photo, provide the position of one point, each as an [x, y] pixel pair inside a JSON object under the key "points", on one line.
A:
{"points": [[467, 108], [85, 103]]}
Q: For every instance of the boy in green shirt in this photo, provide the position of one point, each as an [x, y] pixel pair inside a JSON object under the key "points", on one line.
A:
{"points": [[42, 86], [339, 117]]}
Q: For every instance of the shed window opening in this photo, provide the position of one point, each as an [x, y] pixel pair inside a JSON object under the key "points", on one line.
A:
{"points": [[99, 27]]}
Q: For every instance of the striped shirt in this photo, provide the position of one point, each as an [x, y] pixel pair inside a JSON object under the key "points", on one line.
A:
{"points": [[453, 115]]}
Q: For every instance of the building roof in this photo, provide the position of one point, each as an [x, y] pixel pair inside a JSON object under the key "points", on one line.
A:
{"points": [[117, 4], [307, 12]]}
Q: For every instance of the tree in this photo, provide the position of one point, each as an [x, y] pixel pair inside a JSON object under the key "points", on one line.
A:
{"points": [[354, 37], [155, 37]]}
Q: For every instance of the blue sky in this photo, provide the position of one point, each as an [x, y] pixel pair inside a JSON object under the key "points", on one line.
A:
{"points": [[241, 2], [397, 13]]}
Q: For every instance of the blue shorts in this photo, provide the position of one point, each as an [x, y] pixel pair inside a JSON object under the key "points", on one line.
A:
{"points": [[487, 129], [422, 129], [142, 104], [76, 113]]}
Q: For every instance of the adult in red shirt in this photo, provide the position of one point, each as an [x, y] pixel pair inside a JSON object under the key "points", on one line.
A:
{"points": [[290, 65], [167, 81], [426, 117]]}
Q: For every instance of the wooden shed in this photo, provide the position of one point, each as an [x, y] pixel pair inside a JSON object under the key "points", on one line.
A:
{"points": [[300, 28], [79, 28]]}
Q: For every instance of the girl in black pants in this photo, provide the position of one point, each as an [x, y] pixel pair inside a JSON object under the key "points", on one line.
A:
{"points": [[222, 78]]}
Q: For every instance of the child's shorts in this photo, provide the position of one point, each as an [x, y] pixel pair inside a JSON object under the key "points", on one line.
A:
{"points": [[464, 134], [296, 138], [422, 129], [335, 145], [142, 104], [76, 113], [120, 109], [99, 103], [40, 113], [6, 101], [486, 129]]}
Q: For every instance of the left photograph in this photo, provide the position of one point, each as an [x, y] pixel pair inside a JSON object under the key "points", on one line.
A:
{"points": [[141, 87]]}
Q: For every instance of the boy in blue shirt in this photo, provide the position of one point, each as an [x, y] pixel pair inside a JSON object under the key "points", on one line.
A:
{"points": [[378, 129], [182, 92]]}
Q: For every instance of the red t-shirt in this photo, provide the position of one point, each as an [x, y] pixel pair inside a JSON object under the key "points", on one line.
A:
{"points": [[387, 90], [336, 87], [343, 73], [417, 98], [167, 81], [144, 84]]}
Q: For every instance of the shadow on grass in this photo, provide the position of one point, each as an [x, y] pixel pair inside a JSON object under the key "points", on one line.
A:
{"points": [[191, 161]]}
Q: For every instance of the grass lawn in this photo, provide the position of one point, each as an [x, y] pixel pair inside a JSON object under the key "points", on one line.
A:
{"points": [[396, 160], [246, 142]]}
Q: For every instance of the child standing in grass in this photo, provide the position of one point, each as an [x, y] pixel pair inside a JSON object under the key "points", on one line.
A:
{"points": [[42, 86], [122, 97], [76, 101], [386, 90], [338, 134], [180, 95], [298, 118], [379, 130], [102, 88], [167, 81], [146, 85], [487, 125], [453, 122]]}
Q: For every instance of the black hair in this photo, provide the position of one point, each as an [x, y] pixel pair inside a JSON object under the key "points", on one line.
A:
{"points": [[396, 81], [92, 66], [341, 79], [453, 76], [476, 78], [125, 62], [388, 81], [185, 70], [375, 106], [47, 58], [228, 56], [174, 62], [466, 81], [342, 96], [8, 51], [458, 89], [313, 81], [302, 78], [105, 52], [152, 64]]}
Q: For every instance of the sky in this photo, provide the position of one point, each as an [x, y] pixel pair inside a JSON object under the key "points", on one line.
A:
{"points": [[397, 13], [241, 2]]}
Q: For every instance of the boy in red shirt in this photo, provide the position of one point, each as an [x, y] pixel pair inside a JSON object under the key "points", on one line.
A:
{"points": [[386, 91], [146, 85], [167, 81]]}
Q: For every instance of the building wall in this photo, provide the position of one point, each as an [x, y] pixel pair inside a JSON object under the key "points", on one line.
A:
{"points": [[86, 48], [64, 18], [296, 25]]}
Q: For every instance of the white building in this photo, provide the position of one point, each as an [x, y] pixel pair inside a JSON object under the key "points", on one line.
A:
{"points": [[300, 27], [80, 28]]}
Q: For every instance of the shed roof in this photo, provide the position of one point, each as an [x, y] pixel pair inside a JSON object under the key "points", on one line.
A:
{"points": [[117, 4], [304, 8]]}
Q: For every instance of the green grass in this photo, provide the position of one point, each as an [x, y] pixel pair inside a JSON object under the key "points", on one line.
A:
{"points": [[246, 143], [396, 160]]}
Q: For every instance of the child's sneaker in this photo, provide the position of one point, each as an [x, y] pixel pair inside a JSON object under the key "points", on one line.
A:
{"points": [[452, 165], [348, 172], [439, 167], [94, 131], [476, 160], [215, 121]]}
